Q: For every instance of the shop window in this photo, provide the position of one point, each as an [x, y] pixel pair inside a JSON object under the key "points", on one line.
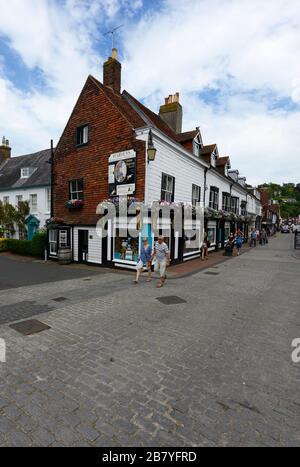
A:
{"points": [[82, 135], [76, 190], [226, 233], [196, 194], [167, 188], [189, 243], [214, 198], [126, 248], [53, 242], [63, 239], [212, 235]]}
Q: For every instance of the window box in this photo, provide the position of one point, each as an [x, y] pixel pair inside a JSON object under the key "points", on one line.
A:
{"points": [[75, 204]]}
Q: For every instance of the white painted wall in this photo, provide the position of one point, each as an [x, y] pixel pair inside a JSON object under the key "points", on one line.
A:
{"points": [[43, 207], [172, 161], [95, 245], [214, 179]]}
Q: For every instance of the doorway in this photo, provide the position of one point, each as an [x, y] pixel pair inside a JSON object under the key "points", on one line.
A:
{"points": [[83, 246]]}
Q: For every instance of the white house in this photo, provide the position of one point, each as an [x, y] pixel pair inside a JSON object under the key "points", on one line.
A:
{"points": [[26, 178]]}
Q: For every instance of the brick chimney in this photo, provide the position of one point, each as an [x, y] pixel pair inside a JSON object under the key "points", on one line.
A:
{"points": [[112, 72], [171, 112], [5, 150]]}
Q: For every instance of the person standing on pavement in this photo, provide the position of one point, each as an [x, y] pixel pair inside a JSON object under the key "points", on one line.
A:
{"points": [[239, 240], [162, 257], [253, 238], [145, 259]]}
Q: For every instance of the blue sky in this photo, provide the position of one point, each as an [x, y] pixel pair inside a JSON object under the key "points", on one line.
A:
{"points": [[232, 61]]}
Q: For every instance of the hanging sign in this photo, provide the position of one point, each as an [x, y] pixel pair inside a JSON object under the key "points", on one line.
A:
{"points": [[122, 173]]}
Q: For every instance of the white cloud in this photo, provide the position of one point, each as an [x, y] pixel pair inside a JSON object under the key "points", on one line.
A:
{"points": [[234, 46], [237, 47]]}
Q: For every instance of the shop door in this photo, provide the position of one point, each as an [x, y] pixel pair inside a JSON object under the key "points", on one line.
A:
{"points": [[83, 246]]}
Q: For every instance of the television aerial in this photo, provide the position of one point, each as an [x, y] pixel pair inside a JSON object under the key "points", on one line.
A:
{"points": [[112, 34]]}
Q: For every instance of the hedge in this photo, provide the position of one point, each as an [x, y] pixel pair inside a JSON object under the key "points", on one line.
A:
{"points": [[35, 247], [3, 244]]}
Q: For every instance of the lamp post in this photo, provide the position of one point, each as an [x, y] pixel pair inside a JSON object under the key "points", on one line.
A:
{"points": [[151, 149]]}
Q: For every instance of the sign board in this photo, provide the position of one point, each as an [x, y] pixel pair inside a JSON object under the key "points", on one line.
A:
{"points": [[122, 173]]}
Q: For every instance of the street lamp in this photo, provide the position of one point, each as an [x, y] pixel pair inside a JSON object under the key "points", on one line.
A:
{"points": [[151, 149]]}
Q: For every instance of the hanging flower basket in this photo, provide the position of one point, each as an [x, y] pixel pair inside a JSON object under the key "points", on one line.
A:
{"points": [[75, 204]]}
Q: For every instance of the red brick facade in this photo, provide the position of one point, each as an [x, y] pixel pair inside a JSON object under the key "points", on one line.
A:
{"points": [[109, 132]]}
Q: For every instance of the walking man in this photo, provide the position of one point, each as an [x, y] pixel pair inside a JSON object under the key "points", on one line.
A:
{"points": [[162, 257]]}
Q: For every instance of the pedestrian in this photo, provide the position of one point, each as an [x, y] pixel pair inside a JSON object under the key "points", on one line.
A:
{"points": [[257, 236], [230, 245], [205, 247], [264, 237], [239, 240], [162, 259], [253, 238], [145, 259]]}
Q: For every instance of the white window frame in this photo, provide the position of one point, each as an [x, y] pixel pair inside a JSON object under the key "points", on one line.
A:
{"points": [[196, 199], [63, 239], [74, 194], [169, 190], [82, 135], [19, 199], [53, 242], [33, 206]]}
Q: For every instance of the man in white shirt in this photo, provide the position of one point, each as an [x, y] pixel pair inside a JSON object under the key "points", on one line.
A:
{"points": [[162, 256]]}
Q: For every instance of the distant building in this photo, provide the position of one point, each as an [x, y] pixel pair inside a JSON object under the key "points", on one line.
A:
{"points": [[26, 178]]}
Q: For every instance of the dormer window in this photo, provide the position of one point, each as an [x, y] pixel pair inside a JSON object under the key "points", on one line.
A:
{"points": [[197, 145], [26, 172], [82, 135], [196, 148]]}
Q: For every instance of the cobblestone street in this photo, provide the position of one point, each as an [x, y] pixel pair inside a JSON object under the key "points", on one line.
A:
{"points": [[120, 368]]}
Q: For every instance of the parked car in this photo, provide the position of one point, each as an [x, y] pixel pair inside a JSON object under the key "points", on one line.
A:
{"points": [[285, 229]]}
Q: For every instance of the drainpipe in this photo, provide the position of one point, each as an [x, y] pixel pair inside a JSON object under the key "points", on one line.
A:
{"points": [[52, 163]]}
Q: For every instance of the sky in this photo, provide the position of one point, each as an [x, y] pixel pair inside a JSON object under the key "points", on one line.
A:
{"points": [[235, 63]]}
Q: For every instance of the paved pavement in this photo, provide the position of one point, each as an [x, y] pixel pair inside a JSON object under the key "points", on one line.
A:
{"points": [[120, 368], [16, 272]]}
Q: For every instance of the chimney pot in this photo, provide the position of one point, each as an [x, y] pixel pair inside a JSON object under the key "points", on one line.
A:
{"points": [[5, 150], [112, 72], [171, 112]]}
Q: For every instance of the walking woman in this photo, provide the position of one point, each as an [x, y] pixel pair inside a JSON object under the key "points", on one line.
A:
{"points": [[239, 240], [145, 259], [205, 247]]}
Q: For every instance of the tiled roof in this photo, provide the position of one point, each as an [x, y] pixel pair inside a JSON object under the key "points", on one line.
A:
{"points": [[222, 161], [155, 119], [134, 111], [10, 171], [187, 136], [209, 149]]}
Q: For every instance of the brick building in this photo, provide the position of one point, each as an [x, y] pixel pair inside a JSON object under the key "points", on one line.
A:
{"points": [[102, 154]]}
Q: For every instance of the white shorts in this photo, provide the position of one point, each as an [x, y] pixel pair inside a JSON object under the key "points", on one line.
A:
{"points": [[161, 267]]}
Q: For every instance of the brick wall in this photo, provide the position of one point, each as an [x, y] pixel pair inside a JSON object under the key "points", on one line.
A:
{"points": [[109, 132]]}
